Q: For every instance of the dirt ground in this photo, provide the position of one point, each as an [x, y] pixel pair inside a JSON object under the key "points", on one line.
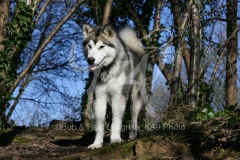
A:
{"points": [[22, 143]]}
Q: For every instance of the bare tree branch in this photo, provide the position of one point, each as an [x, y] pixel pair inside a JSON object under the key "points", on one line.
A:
{"points": [[35, 6], [21, 90], [216, 67], [107, 12], [218, 51], [157, 18], [94, 4], [42, 10], [134, 16], [44, 44]]}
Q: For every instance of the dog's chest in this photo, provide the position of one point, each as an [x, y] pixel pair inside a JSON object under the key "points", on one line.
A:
{"points": [[114, 85]]}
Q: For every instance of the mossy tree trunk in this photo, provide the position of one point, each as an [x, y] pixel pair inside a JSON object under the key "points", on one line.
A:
{"points": [[4, 16], [232, 53]]}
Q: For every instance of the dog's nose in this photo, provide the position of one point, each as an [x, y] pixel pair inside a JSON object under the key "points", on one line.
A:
{"points": [[91, 60]]}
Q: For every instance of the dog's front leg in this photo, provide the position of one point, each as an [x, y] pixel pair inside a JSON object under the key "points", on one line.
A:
{"points": [[118, 107], [100, 106]]}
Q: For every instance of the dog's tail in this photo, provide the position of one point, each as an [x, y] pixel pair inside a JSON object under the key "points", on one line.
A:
{"points": [[131, 40]]}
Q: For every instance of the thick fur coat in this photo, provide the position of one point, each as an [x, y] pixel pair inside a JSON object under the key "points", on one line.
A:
{"points": [[114, 56]]}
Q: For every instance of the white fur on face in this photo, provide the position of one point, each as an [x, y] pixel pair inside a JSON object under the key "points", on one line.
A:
{"points": [[102, 53]]}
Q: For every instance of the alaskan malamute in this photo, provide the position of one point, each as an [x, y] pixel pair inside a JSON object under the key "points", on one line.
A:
{"points": [[114, 56]]}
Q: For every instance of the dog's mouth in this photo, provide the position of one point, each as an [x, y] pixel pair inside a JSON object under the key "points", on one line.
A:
{"points": [[95, 66]]}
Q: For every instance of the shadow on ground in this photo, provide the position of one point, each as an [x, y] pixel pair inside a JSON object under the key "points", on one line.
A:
{"points": [[85, 141], [7, 136]]}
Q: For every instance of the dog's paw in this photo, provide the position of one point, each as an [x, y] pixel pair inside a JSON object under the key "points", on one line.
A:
{"points": [[118, 140], [115, 138], [133, 135], [95, 146]]}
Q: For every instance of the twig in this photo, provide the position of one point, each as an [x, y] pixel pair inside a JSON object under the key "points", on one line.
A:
{"points": [[217, 65], [42, 10]]}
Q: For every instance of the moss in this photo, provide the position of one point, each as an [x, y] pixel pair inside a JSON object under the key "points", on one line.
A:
{"points": [[155, 138], [227, 154], [19, 139], [127, 148], [116, 149], [4, 131]]}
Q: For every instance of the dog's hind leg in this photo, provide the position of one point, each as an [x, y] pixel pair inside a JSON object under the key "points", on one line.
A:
{"points": [[118, 107], [136, 107], [100, 107]]}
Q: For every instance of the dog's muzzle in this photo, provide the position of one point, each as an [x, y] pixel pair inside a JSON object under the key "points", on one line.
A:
{"points": [[91, 60]]}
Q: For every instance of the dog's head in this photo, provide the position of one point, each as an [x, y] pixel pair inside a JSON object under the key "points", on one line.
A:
{"points": [[99, 45]]}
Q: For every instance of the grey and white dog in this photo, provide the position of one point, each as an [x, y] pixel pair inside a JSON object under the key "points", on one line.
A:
{"points": [[115, 56]]}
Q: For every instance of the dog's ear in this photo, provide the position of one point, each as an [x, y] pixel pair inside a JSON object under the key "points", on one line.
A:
{"points": [[109, 31], [86, 30]]}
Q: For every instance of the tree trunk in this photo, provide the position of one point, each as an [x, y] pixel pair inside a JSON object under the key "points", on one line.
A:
{"points": [[195, 52], [177, 23], [231, 64], [88, 109], [179, 47], [4, 15]]}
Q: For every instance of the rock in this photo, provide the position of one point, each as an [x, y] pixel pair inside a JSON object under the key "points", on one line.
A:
{"points": [[15, 157], [158, 149], [230, 158], [30, 136], [146, 150], [142, 148], [53, 154], [144, 157]]}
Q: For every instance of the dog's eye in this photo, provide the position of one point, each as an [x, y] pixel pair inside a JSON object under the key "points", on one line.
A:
{"points": [[101, 47], [89, 46]]}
